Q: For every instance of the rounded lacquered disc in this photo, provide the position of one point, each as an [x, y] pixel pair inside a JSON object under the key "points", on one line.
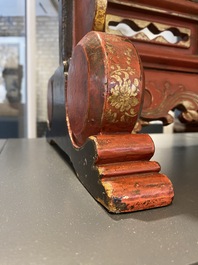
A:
{"points": [[104, 90]]}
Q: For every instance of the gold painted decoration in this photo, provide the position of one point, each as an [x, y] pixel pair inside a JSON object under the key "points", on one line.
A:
{"points": [[123, 95], [99, 20], [124, 84]]}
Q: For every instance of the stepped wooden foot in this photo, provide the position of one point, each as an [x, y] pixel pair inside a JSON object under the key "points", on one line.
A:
{"points": [[130, 180], [91, 116], [117, 172]]}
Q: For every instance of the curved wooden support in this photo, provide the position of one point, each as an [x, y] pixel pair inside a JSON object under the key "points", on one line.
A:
{"points": [[121, 178], [91, 116]]}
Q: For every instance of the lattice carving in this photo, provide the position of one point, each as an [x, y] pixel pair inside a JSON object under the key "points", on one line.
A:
{"points": [[148, 31]]}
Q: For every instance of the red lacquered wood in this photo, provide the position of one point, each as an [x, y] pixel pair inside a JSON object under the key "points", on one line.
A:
{"points": [[88, 15], [167, 90], [104, 91], [105, 86], [127, 168], [178, 8], [123, 147], [84, 12], [169, 61], [134, 193], [162, 55]]}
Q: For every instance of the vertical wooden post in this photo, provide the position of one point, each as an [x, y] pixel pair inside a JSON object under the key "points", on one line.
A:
{"points": [[65, 30]]}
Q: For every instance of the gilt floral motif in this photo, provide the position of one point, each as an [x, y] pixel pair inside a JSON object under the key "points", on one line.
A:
{"points": [[123, 95], [123, 98]]}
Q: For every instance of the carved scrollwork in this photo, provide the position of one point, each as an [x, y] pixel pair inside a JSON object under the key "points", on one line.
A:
{"points": [[160, 98]]}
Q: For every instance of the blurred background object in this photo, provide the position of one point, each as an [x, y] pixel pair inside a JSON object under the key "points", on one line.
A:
{"points": [[21, 49]]}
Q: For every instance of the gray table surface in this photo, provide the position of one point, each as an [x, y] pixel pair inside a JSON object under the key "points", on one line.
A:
{"points": [[47, 216]]}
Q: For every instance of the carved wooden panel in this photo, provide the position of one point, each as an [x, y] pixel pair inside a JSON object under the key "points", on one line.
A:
{"points": [[165, 91], [144, 30], [164, 32]]}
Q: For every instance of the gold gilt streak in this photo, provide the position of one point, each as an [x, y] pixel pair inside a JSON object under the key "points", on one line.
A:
{"points": [[99, 20]]}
